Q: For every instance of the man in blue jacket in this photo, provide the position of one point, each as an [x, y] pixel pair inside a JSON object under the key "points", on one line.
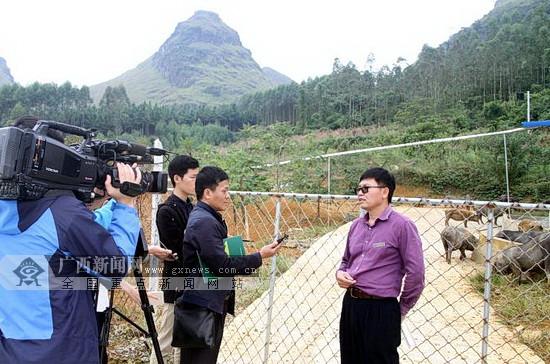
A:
{"points": [[203, 238], [41, 319]]}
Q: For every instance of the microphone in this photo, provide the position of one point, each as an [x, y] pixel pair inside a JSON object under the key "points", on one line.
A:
{"points": [[138, 149], [123, 147], [156, 151]]}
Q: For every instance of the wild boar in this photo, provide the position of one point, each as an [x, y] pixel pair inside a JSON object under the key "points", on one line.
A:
{"points": [[529, 225], [462, 215], [530, 257], [518, 236], [497, 212], [457, 238]]}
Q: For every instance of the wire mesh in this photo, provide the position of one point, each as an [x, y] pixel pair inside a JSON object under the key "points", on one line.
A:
{"points": [[447, 324]]}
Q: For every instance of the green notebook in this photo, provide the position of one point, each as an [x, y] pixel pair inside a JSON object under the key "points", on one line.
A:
{"points": [[233, 247]]}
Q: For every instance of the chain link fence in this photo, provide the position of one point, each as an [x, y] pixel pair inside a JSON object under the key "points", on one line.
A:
{"points": [[493, 310], [295, 316]]}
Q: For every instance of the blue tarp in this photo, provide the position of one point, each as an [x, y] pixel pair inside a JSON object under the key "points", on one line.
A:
{"points": [[535, 124]]}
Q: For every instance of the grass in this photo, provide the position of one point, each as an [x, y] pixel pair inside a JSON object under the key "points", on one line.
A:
{"points": [[254, 287], [524, 308], [315, 231]]}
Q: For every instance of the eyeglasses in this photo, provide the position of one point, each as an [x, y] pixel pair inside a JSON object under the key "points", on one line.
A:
{"points": [[365, 189]]}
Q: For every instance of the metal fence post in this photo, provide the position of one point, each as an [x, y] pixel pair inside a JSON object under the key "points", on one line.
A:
{"points": [[506, 170], [272, 283], [328, 175], [487, 285], [155, 201]]}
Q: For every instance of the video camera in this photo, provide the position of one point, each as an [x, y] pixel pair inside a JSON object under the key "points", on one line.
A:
{"points": [[32, 163]]}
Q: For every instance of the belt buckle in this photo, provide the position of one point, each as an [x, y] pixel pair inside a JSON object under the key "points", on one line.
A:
{"points": [[351, 293]]}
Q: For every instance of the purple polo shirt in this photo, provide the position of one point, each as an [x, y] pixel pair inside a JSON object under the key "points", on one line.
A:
{"points": [[379, 256]]}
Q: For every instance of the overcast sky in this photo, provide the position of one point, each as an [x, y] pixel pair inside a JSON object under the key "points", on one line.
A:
{"points": [[87, 42]]}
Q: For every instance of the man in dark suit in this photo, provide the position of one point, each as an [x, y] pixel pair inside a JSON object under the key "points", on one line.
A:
{"points": [[203, 238]]}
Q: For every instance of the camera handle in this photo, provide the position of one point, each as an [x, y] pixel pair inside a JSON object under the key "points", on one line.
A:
{"points": [[43, 126]]}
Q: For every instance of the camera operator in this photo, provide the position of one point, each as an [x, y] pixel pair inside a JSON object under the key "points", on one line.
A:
{"points": [[102, 208], [40, 321]]}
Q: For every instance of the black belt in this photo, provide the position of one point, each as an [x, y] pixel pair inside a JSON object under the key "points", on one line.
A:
{"points": [[357, 293]]}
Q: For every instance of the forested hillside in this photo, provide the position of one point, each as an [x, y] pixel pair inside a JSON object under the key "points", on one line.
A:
{"points": [[500, 56], [474, 82], [496, 60]]}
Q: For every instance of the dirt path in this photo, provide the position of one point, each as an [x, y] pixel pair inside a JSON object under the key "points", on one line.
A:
{"points": [[446, 323]]}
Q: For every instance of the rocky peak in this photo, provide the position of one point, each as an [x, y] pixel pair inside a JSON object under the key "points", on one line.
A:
{"points": [[5, 74], [203, 27], [201, 42], [203, 61]]}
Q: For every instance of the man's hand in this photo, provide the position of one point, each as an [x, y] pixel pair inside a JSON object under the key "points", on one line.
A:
{"points": [[125, 174], [344, 279], [161, 253], [270, 249], [133, 292]]}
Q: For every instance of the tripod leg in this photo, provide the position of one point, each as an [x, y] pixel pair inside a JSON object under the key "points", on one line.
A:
{"points": [[148, 313], [105, 329]]}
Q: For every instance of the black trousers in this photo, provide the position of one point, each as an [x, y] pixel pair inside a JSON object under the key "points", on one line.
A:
{"points": [[370, 331], [205, 356]]}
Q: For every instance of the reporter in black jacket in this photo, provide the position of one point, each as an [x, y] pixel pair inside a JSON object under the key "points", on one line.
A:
{"points": [[172, 218], [204, 236]]}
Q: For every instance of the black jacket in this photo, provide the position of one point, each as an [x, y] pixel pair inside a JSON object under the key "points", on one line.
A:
{"points": [[204, 237], [172, 218]]}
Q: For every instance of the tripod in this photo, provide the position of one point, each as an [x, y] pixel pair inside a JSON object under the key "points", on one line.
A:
{"points": [[151, 332]]}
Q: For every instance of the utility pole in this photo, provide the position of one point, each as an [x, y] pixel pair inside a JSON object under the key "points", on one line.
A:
{"points": [[528, 106]]}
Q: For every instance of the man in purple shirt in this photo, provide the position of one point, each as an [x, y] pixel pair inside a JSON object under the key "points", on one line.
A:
{"points": [[382, 248]]}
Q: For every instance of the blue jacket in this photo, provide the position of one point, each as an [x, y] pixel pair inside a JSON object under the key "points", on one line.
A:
{"points": [[39, 321], [204, 237]]}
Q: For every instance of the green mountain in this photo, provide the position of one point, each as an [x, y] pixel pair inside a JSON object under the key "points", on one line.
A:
{"points": [[203, 61], [5, 75], [275, 77], [496, 59], [505, 52]]}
